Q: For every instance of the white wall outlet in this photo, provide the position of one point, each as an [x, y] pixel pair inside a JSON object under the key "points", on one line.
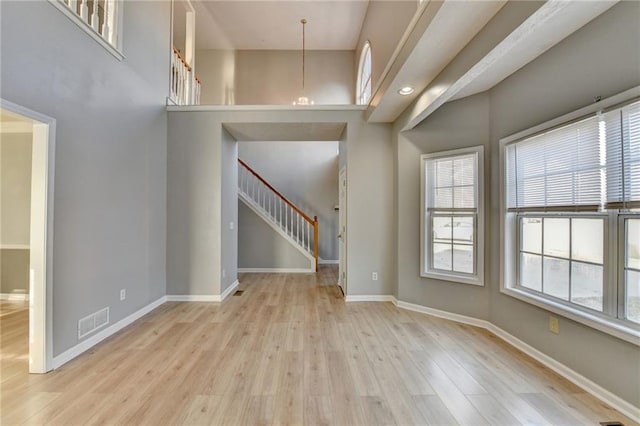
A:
{"points": [[224, 273], [374, 276], [231, 225], [123, 294], [554, 325]]}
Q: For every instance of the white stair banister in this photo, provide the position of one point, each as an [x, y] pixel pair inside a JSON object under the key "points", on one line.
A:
{"points": [[281, 212]]}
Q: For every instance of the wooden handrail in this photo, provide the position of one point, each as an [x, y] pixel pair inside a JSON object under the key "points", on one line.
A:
{"points": [[278, 193], [313, 222], [184, 61]]}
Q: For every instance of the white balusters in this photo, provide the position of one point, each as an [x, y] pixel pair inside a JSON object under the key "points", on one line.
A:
{"points": [[92, 12], [185, 86], [84, 10], [277, 209]]}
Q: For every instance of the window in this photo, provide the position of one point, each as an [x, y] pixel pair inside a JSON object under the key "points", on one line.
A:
{"points": [[101, 19], [571, 220], [452, 219], [364, 76]]}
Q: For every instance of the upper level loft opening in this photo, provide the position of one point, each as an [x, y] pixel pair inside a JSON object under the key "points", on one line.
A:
{"points": [[394, 57], [256, 53]]}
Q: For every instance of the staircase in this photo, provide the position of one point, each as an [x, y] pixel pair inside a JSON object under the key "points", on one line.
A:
{"points": [[280, 213]]}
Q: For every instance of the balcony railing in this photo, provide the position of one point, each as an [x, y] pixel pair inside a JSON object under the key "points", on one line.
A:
{"points": [[185, 86], [100, 15]]}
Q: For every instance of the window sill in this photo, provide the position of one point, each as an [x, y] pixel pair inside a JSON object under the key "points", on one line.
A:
{"points": [[87, 29], [471, 280], [611, 327]]}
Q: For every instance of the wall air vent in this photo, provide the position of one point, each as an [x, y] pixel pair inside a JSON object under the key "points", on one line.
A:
{"points": [[93, 322]]}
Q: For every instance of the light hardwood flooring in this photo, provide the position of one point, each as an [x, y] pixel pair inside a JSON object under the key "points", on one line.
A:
{"points": [[290, 351]]}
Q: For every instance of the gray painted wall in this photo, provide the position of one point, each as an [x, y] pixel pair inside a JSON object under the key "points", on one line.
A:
{"points": [[384, 25], [194, 203], [274, 77], [229, 226], [14, 271], [562, 80], [110, 180], [15, 211], [456, 125], [15, 188], [194, 210], [260, 246], [307, 174]]}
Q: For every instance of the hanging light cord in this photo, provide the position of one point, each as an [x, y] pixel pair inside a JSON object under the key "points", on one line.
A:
{"points": [[303, 22]]}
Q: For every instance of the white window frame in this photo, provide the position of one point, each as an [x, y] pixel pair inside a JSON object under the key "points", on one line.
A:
{"points": [[361, 91], [614, 244], [426, 271], [114, 49]]}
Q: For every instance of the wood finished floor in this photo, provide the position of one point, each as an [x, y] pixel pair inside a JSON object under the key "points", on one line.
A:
{"points": [[290, 351]]}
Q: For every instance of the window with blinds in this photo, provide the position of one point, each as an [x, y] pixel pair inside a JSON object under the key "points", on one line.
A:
{"points": [[572, 193], [589, 165], [452, 215]]}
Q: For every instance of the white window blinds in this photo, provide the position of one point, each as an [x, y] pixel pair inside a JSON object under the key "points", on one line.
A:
{"points": [[587, 165], [452, 183], [623, 156]]}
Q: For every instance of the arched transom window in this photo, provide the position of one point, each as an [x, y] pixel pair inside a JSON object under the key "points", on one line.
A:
{"points": [[364, 76]]}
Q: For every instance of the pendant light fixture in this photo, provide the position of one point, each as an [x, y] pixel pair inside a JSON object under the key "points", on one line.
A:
{"points": [[303, 100]]}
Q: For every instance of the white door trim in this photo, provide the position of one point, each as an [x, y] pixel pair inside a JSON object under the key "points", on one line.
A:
{"points": [[342, 224], [41, 253]]}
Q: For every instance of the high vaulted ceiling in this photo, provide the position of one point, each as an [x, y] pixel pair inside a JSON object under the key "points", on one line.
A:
{"points": [[275, 24]]}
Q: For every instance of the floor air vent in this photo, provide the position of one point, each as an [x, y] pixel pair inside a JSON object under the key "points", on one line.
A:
{"points": [[93, 322], [238, 293], [611, 424]]}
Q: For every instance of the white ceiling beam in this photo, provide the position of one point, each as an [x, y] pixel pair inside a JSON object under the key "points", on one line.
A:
{"points": [[471, 73]]}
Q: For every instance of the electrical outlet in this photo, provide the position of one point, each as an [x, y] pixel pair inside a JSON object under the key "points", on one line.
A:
{"points": [[374, 276], [123, 294], [231, 226], [554, 325], [224, 273]]}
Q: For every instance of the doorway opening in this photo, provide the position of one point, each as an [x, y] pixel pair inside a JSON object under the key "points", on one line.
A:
{"points": [[27, 141]]}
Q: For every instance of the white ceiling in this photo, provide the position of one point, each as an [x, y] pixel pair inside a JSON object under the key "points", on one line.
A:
{"points": [[275, 24]]}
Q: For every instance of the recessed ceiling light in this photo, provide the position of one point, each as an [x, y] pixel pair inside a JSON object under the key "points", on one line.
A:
{"points": [[406, 91]]}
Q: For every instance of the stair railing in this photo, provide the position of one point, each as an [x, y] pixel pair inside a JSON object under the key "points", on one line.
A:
{"points": [[289, 217], [185, 86]]}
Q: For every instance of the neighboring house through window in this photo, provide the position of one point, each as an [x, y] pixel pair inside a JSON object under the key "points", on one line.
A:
{"points": [[364, 75], [452, 216]]}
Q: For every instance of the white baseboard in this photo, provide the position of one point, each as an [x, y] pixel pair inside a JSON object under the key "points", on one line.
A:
{"points": [[85, 345], [18, 297], [15, 247], [370, 298], [193, 298], [276, 270], [230, 289], [574, 377], [444, 314], [328, 262]]}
